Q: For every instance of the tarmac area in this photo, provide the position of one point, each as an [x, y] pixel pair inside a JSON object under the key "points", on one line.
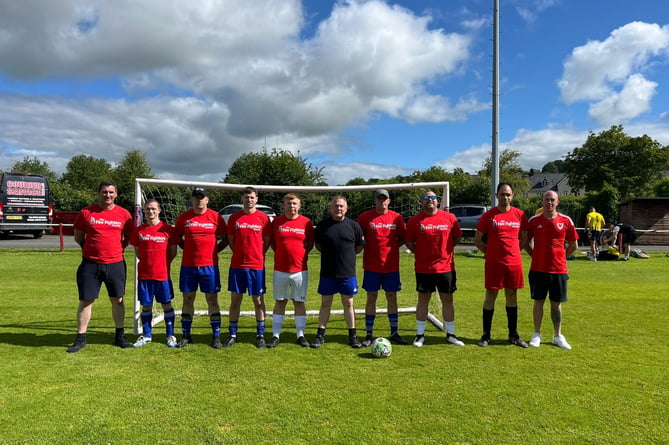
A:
{"points": [[12, 241]]}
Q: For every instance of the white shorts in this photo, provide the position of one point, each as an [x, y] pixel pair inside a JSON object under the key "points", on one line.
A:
{"points": [[291, 286]]}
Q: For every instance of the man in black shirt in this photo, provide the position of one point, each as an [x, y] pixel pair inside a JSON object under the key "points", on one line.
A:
{"points": [[339, 239]]}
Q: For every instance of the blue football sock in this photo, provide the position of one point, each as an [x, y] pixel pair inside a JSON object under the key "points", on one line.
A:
{"points": [[233, 325], [260, 328], [146, 323], [394, 322], [169, 323], [215, 320], [369, 323]]}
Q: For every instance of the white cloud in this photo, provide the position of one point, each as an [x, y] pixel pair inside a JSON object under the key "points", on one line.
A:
{"points": [[339, 174], [632, 100], [207, 81], [610, 72], [536, 147], [529, 11]]}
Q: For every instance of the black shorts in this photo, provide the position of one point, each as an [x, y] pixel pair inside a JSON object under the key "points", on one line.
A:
{"points": [[552, 284], [630, 238], [443, 282], [91, 275]]}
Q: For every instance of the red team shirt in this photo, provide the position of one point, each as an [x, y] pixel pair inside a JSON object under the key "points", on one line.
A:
{"points": [[381, 254], [503, 231], [290, 236], [153, 243], [199, 234], [549, 240], [434, 237], [104, 230], [249, 230]]}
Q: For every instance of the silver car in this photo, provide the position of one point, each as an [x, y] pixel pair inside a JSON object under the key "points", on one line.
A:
{"points": [[232, 208], [468, 215]]}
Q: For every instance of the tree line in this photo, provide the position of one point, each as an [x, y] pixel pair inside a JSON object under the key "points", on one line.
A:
{"points": [[610, 167]]}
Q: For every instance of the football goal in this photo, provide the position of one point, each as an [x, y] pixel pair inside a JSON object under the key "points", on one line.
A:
{"points": [[174, 198]]}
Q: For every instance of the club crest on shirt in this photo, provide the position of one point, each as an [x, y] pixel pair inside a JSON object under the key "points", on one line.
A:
{"points": [[560, 226]]}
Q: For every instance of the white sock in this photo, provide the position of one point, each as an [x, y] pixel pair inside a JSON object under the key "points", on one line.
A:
{"points": [[420, 327], [450, 327], [277, 324], [300, 325]]}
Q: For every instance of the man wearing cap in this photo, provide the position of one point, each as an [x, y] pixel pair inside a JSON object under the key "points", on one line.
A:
{"points": [[383, 230], [432, 236], [202, 233], [249, 234]]}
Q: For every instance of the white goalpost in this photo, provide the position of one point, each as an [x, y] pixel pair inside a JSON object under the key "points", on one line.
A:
{"points": [[174, 198]]}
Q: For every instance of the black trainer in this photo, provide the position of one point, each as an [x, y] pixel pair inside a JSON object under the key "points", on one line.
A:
{"points": [[216, 343], [229, 342], [185, 341], [354, 342], [122, 342], [318, 341], [369, 338], [485, 341], [518, 342], [273, 342], [397, 339], [260, 342], [77, 346], [302, 342]]}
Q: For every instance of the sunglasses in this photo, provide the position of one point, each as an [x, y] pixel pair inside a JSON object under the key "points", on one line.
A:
{"points": [[428, 198]]}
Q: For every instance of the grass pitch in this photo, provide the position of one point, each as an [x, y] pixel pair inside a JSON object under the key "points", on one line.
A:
{"points": [[611, 388]]}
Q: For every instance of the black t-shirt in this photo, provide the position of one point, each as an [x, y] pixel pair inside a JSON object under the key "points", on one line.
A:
{"points": [[338, 241]]}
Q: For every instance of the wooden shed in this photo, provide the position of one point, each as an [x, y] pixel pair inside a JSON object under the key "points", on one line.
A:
{"points": [[650, 216]]}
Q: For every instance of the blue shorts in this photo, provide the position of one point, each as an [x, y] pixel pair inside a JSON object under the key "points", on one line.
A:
{"points": [[147, 289], [241, 280], [207, 277], [373, 281], [343, 286], [91, 275]]}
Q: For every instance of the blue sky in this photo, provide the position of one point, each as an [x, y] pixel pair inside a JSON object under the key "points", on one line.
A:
{"points": [[368, 89]]}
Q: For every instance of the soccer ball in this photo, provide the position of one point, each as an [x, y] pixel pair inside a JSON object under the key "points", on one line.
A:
{"points": [[381, 347]]}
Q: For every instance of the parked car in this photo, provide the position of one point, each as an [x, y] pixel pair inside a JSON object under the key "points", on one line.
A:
{"points": [[232, 208], [468, 215]]}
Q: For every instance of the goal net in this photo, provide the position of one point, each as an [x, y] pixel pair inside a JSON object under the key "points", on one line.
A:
{"points": [[175, 198]]}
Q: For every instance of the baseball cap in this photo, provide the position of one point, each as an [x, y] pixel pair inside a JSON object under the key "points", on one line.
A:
{"points": [[199, 191], [381, 192]]}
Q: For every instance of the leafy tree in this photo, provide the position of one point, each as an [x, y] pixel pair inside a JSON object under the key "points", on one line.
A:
{"points": [[277, 167], [661, 188], [66, 198], [133, 165], [556, 166], [35, 166], [509, 171], [84, 173], [631, 165]]}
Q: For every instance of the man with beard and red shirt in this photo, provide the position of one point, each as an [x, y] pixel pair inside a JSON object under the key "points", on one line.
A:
{"points": [[292, 240], [551, 232], [249, 234], [155, 245], [200, 229], [499, 234], [432, 236], [383, 230], [103, 231]]}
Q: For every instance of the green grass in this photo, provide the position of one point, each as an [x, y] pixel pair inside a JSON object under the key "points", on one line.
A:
{"points": [[611, 388]]}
